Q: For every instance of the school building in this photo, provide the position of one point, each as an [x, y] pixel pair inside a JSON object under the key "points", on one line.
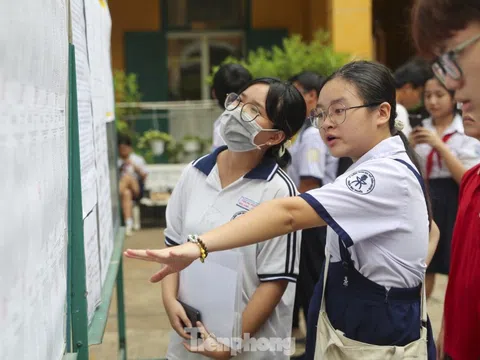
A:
{"points": [[172, 44]]}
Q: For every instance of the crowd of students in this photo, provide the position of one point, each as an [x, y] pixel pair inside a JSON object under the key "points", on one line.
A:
{"points": [[379, 192]]}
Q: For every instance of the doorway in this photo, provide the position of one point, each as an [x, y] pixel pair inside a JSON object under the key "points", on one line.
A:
{"points": [[191, 56]]}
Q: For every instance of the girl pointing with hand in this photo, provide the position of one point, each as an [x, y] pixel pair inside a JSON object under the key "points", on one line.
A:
{"points": [[378, 220]]}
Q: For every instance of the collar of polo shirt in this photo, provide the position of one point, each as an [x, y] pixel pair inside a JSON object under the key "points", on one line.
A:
{"points": [[455, 126], [263, 171]]}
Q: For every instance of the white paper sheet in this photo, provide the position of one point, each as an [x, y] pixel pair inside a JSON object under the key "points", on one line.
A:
{"points": [[92, 263], [84, 99], [105, 223], [214, 289], [109, 90], [98, 24], [33, 144], [33, 237]]}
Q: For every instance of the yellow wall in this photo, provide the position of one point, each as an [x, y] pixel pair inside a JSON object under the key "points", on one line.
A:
{"points": [[350, 23], [130, 15], [289, 14]]}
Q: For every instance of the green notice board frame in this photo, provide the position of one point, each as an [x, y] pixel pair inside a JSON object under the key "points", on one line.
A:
{"points": [[79, 334]]}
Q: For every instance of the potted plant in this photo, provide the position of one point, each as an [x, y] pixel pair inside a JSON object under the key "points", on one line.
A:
{"points": [[192, 144], [158, 141]]}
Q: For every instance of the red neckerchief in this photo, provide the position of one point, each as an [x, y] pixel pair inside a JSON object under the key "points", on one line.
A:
{"points": [[434, 152]]}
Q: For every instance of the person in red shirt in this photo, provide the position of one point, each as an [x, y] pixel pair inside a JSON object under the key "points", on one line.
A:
{"points": [[448, 32]]}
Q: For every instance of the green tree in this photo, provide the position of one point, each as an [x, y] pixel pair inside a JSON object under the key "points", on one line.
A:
{"points": [[293, 57], [126, 91]]}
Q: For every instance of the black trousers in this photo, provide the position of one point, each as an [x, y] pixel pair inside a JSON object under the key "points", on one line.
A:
{"points": [[312, 257]]}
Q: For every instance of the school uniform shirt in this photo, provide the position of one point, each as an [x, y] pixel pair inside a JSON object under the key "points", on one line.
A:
{"points": [[311, 158], [217, 140], [199, 204], [462, 146], [462, 299], [331, 167], [402, 115], [378, 205], [138, 160], [478, 149]]}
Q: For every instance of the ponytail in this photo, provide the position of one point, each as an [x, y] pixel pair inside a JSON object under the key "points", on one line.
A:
{"points": [[414, 159], [281, 157]]}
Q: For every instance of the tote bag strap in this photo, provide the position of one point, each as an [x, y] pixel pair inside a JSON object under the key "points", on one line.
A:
{"points": [[325, 274], [423, 303]]}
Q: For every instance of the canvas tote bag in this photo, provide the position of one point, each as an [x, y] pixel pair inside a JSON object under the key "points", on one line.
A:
{"points": [[332, 344]]}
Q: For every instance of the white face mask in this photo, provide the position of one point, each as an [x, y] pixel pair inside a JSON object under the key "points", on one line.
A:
{"points": [[239, 135]]}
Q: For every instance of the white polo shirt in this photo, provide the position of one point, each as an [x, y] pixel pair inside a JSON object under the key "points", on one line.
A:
{"points": [[378, 210], [217, 140], [199, 204], [138, 161], [331, 167], [311, 158], [462, 146]]}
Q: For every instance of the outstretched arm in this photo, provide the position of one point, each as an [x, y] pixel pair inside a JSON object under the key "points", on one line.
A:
{"points": [[268, 220]]}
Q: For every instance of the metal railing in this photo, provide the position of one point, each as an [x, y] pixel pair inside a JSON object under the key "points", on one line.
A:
{"points": [[185, 118]]}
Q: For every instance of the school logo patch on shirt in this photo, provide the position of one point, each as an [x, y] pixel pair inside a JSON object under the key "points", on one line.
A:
{"points": [[246, 203], [361, 182]]}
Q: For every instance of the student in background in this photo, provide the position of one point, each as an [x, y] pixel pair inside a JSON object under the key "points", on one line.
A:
{"points": [[409, 81], [448, 32], [445, 154], [133, 173], [229, 78], [228, 183], [308, 170]]}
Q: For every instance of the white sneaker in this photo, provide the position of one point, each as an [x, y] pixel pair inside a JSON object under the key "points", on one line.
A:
{"points": [[128, 231], [136, 227]]}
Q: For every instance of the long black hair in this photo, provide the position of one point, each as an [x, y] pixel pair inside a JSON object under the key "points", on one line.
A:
{"points": [[431, 76], [375, 84], [286, 108]]}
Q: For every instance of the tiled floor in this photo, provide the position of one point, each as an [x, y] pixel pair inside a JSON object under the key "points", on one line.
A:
{"points": [[146, 320]]}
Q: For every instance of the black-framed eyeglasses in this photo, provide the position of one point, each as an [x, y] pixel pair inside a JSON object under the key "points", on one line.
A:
{"points": [[446, 64], [337, 113], [249, 112]]}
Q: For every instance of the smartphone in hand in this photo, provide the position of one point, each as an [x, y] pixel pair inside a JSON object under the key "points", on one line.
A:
{"points": [[415, 120], [192, 314]]}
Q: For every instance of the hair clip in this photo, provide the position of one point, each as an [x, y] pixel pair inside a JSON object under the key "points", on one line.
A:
{"points": [[398, 125]]}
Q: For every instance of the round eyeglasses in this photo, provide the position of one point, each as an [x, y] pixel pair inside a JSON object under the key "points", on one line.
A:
{"points": [[446, 64], [248, 112], [336, 112]]}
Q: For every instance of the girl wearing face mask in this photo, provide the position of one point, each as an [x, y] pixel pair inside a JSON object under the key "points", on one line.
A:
{"points": [[445, 153], [228, 183], [378, 220]]}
